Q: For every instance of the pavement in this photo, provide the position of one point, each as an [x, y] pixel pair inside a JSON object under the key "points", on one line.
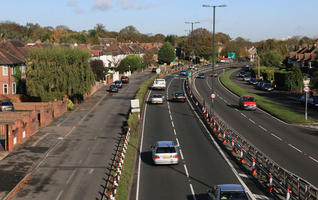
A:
{"points": [[60, 159]]}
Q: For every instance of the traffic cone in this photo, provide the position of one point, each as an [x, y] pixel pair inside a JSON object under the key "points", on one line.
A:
{"points": [[242, 156], [219, 134], [224, 138], [270, 189], [288, 194], [138, 116], [253, 167], [234, 150]]}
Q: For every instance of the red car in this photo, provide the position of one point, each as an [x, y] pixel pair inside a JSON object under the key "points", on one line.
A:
{"points": [[179, 96], [247, 102]]}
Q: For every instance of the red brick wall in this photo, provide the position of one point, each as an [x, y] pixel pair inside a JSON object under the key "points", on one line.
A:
{"points": [[9, 79]]}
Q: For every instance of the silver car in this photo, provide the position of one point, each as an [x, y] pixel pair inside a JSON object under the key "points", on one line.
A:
{"points": [[165, 153], [6, 105], [229, 192]]}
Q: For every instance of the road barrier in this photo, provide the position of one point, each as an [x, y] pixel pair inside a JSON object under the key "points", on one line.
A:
{"points": [[281, 183]]}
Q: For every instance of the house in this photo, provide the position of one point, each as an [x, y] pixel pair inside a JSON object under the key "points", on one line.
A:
{"points": [[12, 55], [304, 57], [252, 53]]}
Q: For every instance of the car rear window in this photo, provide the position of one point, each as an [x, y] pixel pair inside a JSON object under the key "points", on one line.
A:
{"points": [[166, 150], [6, 103], [179, 94], [233, 195], [156, 96]]}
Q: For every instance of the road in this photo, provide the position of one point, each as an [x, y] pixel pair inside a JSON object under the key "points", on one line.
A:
{"points": [[201, 166], [79, 148], [293, 147]]}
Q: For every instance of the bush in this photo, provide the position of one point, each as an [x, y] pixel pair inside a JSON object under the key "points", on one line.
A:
{"points": [[133, 62], [70, 104]]}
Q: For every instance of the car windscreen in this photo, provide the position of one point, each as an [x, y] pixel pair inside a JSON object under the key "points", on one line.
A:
{"points": [[233, 195], [156, 96], [179, 94], [113, 86], [248, 99], [166, 150], [6, 103]]}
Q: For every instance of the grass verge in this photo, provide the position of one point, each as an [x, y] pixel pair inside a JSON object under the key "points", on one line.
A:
{"points": [[129, 165], [278, 111]]}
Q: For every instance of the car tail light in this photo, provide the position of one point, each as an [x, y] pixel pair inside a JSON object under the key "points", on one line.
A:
{"points": [[176, 156], [156, 157]]}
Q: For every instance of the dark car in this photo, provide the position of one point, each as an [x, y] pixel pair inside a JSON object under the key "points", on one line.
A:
{"points": [[201, 75], [118, 83], [311, 100], [124, 79], [228, 191], [113, 88], [183, 73], [254, 81], [154, 70], [267, 87], [179, 96], [6, 105]]}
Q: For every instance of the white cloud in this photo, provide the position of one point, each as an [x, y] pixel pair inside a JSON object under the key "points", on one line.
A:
{"points": [[103, 5]]}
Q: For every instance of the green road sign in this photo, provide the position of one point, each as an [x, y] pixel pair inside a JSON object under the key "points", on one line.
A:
{"points": [[190, 74], [231, 55]]}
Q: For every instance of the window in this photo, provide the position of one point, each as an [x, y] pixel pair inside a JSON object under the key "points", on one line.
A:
{"points": [[14, 88], [5, 88], [23, 69], [5, 70], [12, 70]]}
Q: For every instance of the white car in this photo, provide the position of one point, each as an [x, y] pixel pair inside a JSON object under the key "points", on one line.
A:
{"points": [[159, 84], [165, 153], [157, 98]]}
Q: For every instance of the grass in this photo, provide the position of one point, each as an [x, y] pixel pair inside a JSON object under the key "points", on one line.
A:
{"points": [[129, 165], [278, 111]]}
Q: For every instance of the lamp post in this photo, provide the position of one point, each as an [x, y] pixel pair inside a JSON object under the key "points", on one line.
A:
{"points": [[192, 52], [213, 53]]}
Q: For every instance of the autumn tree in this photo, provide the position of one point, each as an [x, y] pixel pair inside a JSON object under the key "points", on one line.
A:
{"points": [[132, 62], [129, 33], [202, 43], [98, 69], [166, 53], [148, 57]]}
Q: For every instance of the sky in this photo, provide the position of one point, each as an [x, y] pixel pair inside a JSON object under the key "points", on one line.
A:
{"points": [[254, 20]]}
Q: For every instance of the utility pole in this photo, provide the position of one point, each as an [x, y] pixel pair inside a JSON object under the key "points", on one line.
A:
{"points": [[258, 68], [192, 51]]}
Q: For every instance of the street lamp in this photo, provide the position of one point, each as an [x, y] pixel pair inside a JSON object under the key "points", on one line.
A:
{"points": [[192, 53], [213, 51]]}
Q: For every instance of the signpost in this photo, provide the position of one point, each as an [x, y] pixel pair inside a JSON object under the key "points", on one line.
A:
{"points": [[213, 96], [306, 90], [134, 105], [190, 74]]}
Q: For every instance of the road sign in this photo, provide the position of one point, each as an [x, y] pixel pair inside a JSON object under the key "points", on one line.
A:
{"points": [[306, 89], [190, 74], [213, 96]]}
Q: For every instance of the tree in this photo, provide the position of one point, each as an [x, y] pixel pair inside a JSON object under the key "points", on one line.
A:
{"points": [[166, 53], [53, 72], [132, 62], [98, 69], [101, 30], [202, 43], [172, 39], [148, 57], [271, 59], [129, 33], [93, 37], [314, 80]]}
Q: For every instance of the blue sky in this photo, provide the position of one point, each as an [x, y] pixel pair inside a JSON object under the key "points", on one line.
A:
{"points": [[251, 19]]}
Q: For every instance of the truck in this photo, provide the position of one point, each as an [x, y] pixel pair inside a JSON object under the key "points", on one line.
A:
{"points": [[159, 84]]}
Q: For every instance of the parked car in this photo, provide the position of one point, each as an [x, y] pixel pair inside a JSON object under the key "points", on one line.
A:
{"points": [[259, 85], [154, 70], [165, 153], [118, 83], [246, 77], [228, 192], [6, 105], [201, 75], [124, 79], [179, 96], [311, 100], [113, 88], [267, 87], [183, 73], [157, 99], [242, 73], [254, 81], [247, 102]]}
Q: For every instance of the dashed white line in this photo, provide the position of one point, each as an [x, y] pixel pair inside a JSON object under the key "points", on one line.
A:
{"points": [[186, 170], [251, 121], [313, 159], [258, 196], [244, 175], [91, 171], [181, 154], [59, 196], [70, 177], [243, 115], [192, 191], [178, 142], [170, 117], [262, 128], [41, 138], [174, 131], [172, 122], [276, 137], [236, 110], [295, 148]]}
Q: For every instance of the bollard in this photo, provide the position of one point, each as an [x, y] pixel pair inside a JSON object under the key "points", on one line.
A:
{"points": [[224, 138], [234, 150], [253, 167], [288, 194], [138, 116], [270, 189], [242, 156]]}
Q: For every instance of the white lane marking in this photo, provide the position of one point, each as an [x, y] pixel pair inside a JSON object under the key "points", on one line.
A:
{"points": [[244, 175], [251, 121], [243, 115], [295, 148], [178, 142], [174, 131], [262, 197], [141, 143], [172, 122], [40, 139], [70, 177], [181, 154], [80, 161], [186, 170], [262, 128], [236, 110], [59, 196], [91, 171], [170, 118], [313, 159], [222, 153], [169, 112], [276, 137], [225, 101], [192, 191]]}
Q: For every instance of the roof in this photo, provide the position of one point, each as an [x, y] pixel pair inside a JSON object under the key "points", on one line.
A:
{"points": [[165, 144], [231, 187]]}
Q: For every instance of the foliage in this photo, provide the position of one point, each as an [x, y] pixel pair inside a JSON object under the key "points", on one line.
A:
{"points": [[129, 33], [263, 103], [239, 46], [172, 39], [56, 71], [20, 83], [98, 69], [70, 104], [314, 80], [166, 53], [148, 57], [289, 79], [202, 43], [134, 61], [271, 59], [266, 72]]}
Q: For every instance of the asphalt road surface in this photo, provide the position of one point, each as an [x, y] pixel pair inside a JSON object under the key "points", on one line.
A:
{"points": [[72, 154], [293, 147], [201, 165]]}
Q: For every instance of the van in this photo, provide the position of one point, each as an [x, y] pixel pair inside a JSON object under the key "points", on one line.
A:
{"points": [[159, 84]]}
